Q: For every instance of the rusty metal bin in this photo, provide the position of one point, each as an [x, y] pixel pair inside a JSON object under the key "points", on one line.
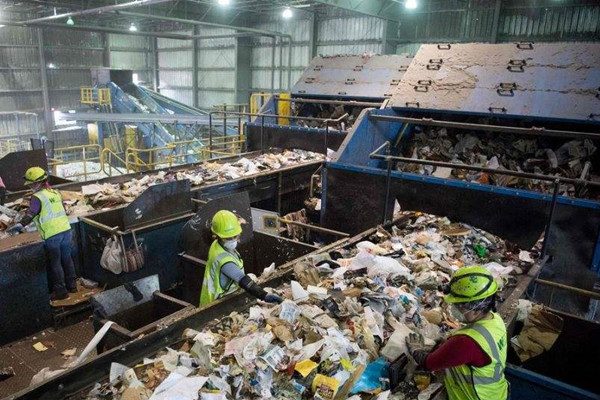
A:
{"points": [[136, 308]]}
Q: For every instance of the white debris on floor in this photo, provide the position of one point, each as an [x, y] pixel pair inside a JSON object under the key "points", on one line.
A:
{"points": [[344, 319], [84, 171]]}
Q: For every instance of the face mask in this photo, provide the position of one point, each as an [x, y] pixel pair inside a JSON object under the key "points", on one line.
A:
{"points": [[458, 314], [230, 244]]}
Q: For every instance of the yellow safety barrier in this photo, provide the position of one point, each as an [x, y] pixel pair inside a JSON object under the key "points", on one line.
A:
{"points": [[91, 95], [237, 107], [74, 154], [177, 152], [257, 100], [107, 158], [284, 108], [142, 159]]}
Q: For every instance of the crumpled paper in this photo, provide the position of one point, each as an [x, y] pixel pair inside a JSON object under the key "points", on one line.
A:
{"points": [[539, 333]]}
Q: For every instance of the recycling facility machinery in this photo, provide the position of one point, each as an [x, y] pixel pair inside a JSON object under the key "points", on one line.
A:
{"points": [[518, 88], [24, 295], [529, 381], [334, 88], [540, 91]]}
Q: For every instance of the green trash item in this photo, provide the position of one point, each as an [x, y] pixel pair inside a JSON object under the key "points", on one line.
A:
{"points": [[480, 249]]}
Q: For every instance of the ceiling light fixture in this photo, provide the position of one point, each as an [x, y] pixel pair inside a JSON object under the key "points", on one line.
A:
{"points": [[2, 26], [70, 22], [224, 2], [287, 13], [132, 27], [411, 4]]}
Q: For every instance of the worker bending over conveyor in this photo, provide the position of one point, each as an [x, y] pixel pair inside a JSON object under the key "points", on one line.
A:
{"points": [[224, 272], [474, 357], [46, 209]]}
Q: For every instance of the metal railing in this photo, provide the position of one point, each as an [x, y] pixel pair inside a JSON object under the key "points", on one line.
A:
{"points": [[555, 179], [108, 157], [177, 152], [74, 154], [90, 95], [257, 100], [326, 121]]}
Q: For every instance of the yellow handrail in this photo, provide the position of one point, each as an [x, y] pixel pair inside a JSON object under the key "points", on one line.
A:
{"points": [[106, 157], [90, 95], [254, 101], [81, 154]]}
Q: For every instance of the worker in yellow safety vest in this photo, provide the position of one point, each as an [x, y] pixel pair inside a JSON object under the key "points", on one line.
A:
{"points": [[473, 358], [224, 272], [46, 209]]}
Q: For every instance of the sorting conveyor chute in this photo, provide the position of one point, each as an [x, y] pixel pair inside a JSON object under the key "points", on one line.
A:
{"points": [[543, 95]]}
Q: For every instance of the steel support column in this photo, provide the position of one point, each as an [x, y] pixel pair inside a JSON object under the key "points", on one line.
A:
{"points": [[154, 56], [48, 121], [195, 31], [496, 21], [314, 36], [106, 54], [243, 74], [390, 37], [273, 46]]}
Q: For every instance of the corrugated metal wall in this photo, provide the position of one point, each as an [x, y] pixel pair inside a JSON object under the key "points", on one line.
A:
{"points": [[337, 32], [69, 58], [473, 21], [175, 68], [349, 35], [216, 68], [20, 80], [261, 64], [131, 52]]}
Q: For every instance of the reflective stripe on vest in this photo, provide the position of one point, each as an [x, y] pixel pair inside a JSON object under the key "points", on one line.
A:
{"points": [[211, 284], [473, 383], [52, 218]]}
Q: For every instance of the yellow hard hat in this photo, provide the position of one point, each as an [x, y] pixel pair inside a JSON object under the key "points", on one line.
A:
{"points": [[35, 175], [470, 284], [225, 224]]}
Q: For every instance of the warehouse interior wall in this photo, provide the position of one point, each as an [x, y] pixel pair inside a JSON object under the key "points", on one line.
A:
{"points": [[208, 72]]}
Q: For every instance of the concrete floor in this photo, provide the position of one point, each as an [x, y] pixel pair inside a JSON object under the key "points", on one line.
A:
{"points": [[26, 361]]}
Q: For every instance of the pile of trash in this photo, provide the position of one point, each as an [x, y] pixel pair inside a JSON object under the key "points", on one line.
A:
{"points": [[503, 152], [326, 111], [340, 331], [105, 195]]}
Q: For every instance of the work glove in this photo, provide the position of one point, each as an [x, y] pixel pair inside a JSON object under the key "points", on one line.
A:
{"points": [[273, 298], [16, 228], [417, 348]]}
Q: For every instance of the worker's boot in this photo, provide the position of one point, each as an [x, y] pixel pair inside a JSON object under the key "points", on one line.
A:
{"points": [[59, 296]]}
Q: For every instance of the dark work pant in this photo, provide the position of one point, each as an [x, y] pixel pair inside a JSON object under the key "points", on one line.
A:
{"points": [[2, 195], [62, 269]]}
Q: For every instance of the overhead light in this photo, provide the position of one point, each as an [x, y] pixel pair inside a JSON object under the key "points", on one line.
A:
{"points": [[224, 2], [51, 66], [70, 22], [287, 13], [2, 26], [411, 4], [132, 27]]}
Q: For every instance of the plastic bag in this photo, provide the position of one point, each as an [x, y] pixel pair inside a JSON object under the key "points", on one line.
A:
{"points": [[112, 256], [370, 379]]}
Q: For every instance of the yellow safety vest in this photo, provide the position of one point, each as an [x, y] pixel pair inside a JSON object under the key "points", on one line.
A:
{"points": [[211, 285], [52, 218], [486, 383]]}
